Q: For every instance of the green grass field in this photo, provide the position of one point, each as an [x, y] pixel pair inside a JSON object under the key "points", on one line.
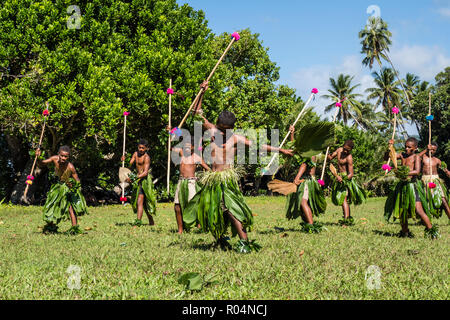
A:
{"points": [[118, 261]]}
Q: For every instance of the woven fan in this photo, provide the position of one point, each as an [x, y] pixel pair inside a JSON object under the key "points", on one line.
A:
{"points": [[123, 174], [282, 187], [333, 170], [393, 155]]}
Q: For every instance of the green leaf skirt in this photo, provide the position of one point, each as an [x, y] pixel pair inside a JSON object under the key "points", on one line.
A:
{"points": [[434, 203], [183, 193], [347, 188], [401, 201], [219, 193], [316, 199], [149, 195], [59, 198]]}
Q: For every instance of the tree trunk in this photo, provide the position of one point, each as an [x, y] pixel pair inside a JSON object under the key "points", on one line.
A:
{"points": [[18, 153]]}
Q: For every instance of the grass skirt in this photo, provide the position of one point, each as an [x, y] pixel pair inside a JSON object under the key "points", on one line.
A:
{"points": [[433, 203], [401, 201], [316, 199], [183, 194], [59, 198], [219, 192], [350, 188], [149, 195]]}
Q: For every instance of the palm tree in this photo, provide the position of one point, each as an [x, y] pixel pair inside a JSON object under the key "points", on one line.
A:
{"points": [[411, 83], [368, 118], [375, 45], [375, 40], [386, 91], [423, 86], [342, 91]]}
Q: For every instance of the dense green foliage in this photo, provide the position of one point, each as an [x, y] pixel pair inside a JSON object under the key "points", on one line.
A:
{"points": [[121, 58]]}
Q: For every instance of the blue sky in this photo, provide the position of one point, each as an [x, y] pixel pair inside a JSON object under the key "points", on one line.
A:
{"points": [[313, 40]]}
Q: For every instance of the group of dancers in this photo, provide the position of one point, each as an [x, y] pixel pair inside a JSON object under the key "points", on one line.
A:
{"points": [[212, 200]]}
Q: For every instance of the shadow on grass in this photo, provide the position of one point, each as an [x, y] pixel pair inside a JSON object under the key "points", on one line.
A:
{"points": [[275, 230], [191, 231], [384, 233], [331, 224]]}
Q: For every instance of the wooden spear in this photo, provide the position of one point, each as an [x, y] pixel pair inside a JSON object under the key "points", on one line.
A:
{"points": [[328, 148], [234, 37], [30, 181], [429, 132], [125, 114], [395, 111], [302, 112], [169, 92]]}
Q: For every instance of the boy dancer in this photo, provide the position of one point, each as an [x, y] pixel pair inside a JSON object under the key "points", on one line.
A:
{"points": [[309, 199], [345, 190], [220, 201], [64, 200], [406, 199], [144, 195], [435, 188], [187, 185]]}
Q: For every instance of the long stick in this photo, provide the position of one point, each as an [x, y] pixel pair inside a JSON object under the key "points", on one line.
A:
{"points": [[209, 77], [429, 133], [123, 153], [168, 142], [403, 87], [35, 157], [393, 136], [287, 135], [328, 148]]}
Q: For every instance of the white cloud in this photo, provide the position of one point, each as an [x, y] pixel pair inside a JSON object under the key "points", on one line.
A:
{"points": [[317, 76], [424, 61], [445, 12]]}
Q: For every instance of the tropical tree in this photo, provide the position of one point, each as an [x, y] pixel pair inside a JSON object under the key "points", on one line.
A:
{"points": [[375, 41], [375, 46], [386, 93], [342, 90], [440, 102], [423, 86], [411, 82], [121, 57], [368, 118]]}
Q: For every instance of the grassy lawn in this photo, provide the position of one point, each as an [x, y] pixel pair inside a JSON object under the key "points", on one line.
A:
{"points": [[118, 261]]}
